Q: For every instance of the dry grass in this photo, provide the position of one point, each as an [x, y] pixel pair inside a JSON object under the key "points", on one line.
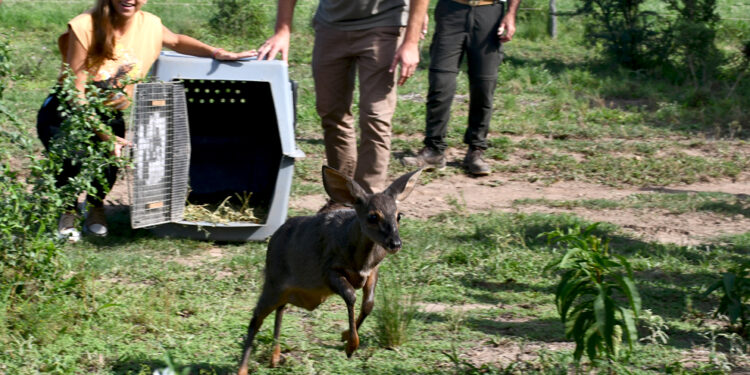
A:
{"points": [[224, 212]]}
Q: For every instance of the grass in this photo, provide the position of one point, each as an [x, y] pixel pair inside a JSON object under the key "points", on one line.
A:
{"points": [[133, 303], [125, 307], [673, 203]]}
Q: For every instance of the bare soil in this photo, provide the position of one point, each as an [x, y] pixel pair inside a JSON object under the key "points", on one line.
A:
{"points": [[461, 193], [498, 192]]}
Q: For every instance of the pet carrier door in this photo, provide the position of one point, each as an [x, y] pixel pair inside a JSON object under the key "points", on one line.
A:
{"points": [[161, 156]]}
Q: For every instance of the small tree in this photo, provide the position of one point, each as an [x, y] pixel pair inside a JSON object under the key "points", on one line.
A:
{"points": [[694, 40], [630, 36], [597, 303]]}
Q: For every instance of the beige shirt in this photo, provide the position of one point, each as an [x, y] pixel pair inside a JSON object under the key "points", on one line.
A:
{"points": [[135, 50]]}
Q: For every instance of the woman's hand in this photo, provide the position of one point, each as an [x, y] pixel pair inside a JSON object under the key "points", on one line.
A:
{"points": [[190, 46], [221, 54], [120, 143], [117, 100]]}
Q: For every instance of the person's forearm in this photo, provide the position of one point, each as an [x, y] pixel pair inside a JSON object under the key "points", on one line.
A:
{"points": [[190, 46], [513, 8], [284, 16], [417, 11]]}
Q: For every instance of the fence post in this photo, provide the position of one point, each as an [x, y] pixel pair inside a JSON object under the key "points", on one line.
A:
{"points": [[552, 19]]}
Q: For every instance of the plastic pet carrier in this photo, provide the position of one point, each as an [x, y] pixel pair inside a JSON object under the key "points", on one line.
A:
{"points": [[211, 135]]}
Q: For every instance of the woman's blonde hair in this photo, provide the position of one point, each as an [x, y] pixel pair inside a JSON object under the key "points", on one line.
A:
{"points": [[103, 46]]}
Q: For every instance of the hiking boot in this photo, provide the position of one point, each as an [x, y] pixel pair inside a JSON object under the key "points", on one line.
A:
{"points": [[474, 163], [66, 227], [332, 205], [96, 222], [427, 158]]}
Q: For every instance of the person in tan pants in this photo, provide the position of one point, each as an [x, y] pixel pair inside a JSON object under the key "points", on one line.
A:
{"points": [[365, 40]]}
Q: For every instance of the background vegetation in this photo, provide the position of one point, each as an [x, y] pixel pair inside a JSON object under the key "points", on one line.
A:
{"points": [[571, 108]]}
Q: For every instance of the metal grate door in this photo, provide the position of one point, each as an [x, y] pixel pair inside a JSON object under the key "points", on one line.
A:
{"points": [[161, 156]]}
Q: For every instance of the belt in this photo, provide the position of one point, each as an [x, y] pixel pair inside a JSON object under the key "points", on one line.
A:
{"points": [[476, 3]]}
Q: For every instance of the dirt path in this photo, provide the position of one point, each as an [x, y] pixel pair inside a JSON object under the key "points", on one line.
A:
{"points": [[498, 192]]}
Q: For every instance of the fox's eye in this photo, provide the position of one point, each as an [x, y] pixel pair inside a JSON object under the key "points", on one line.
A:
{"points": [[372, 218], [399, 216]]}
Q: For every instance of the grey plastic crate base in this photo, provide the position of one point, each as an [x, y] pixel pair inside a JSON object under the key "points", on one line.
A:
{"points": [[238, 232], [230, 232]]}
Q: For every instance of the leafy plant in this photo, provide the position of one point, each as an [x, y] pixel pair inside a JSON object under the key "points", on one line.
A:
{"points": [[30, 202], [735, 299], [598, 304], [657, 328]]}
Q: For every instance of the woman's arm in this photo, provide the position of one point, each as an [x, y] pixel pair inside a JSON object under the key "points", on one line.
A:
{"points": [[190, 46], [76, 60]]}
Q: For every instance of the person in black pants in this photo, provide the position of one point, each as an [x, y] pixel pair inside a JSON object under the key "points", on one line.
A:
{"points": [[476, 29]]}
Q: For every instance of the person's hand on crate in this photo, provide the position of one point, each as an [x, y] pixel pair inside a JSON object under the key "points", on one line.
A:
{"points": [[278, 43], [222, 54]]}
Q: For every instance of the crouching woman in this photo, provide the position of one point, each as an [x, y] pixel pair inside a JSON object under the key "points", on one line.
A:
{"points": [[113, 41]]}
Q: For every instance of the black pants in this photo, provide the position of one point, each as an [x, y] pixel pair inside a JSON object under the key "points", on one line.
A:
{"points": [[463, 30], [48, 123]]}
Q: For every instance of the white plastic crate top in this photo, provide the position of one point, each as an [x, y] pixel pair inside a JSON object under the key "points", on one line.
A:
{"points": [[175, 66], [246, 146]]}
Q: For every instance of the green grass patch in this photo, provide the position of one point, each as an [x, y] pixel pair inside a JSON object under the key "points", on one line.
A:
{"points": [[133, 303]]}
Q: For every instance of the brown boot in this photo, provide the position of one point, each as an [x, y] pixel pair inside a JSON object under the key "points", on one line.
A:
{"points": [[475, 164], [427, 158]]}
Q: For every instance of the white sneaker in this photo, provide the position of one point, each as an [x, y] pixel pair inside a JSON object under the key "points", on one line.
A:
{"points": [[96, 222], [66, 227]]}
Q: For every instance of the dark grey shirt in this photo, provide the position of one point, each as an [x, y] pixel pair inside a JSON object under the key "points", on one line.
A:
{"points": [[362, 14]]}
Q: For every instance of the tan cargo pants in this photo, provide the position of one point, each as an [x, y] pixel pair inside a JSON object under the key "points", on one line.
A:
{"points": [[339, 57]]}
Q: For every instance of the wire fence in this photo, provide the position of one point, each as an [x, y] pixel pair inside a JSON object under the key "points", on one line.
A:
{"points": [[204, 3], [160, 3]]}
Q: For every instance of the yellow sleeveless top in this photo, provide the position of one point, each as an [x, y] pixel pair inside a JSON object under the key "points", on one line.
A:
{"points": [[135, 50]]}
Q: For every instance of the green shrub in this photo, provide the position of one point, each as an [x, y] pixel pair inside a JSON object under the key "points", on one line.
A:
{"points": [[694, 39], [5, 73], [533, 23], [28, 250], [245, 19], [31, 203], [735, 299], [630, 36], [4, 64], [597, 303]]}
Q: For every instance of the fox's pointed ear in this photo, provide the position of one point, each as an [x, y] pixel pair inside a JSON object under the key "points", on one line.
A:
{"points": [[341, 188], [402, 187]]}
